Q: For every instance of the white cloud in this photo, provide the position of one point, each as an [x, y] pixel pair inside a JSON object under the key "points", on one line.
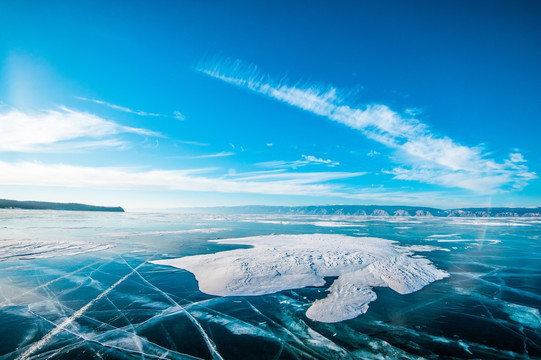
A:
{"points": [[372, 153], [179, 116], [121, 108], [304, 161], [425, 156], [413, 111], [272, 182], [59, 129], [516, 158], [39, 174]]}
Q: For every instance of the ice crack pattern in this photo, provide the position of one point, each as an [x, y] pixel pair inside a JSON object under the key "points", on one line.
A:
{"points": [[111, 302]]}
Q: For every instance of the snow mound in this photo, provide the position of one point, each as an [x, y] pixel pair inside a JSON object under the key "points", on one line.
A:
{"points": [[281, 262]]}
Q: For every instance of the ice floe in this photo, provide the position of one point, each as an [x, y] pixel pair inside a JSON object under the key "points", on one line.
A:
{"points": [[280, 262]]}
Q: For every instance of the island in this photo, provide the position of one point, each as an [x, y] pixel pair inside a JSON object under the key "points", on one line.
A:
{"points": [[40, 205]]}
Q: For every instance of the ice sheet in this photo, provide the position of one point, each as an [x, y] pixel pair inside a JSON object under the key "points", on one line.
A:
{"points": [[280, 262]]}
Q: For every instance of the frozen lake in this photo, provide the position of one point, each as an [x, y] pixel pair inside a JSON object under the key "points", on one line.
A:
{"points": [[81, 285]]}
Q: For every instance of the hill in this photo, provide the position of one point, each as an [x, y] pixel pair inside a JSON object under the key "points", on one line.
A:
{"points": [[40, 205]]}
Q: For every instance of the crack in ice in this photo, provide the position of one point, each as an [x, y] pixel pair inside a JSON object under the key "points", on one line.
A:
{"points": [[210, 344], [39, 344]]}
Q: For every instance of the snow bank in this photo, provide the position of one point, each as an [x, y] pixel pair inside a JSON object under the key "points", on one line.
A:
{"points": [[280, 262]]}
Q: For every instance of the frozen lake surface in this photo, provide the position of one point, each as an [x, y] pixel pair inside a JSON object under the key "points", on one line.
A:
{"points": [[80, 285]]}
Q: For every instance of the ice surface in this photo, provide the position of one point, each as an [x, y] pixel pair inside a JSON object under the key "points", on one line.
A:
{"points": [[442, 235], [426, 248], [168, 232], [490, 222], [280, 262], [524, 315], [488, 309], [321, 223], [69, 320], [30, 249]]}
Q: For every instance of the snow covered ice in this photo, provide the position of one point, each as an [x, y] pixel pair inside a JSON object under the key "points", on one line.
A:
{"points": [[281, 262]]}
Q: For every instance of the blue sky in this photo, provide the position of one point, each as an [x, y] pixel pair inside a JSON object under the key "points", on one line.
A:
{"points": [[198, 103]]}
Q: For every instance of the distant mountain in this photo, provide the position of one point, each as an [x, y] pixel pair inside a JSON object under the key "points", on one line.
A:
{"points": [[39, 205], [370, 210]]}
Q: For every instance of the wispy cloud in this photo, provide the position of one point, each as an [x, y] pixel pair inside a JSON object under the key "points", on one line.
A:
{"points": [[207, 156], [298, 177], [195, 143], [120, 108], [179, 116], [176, 114], [423, 155], [372, 153], [39, 174], [304, 161], [60, 129]]}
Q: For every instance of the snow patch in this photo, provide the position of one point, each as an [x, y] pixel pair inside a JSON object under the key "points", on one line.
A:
{"points": [[30, 249], [281, 262]]}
